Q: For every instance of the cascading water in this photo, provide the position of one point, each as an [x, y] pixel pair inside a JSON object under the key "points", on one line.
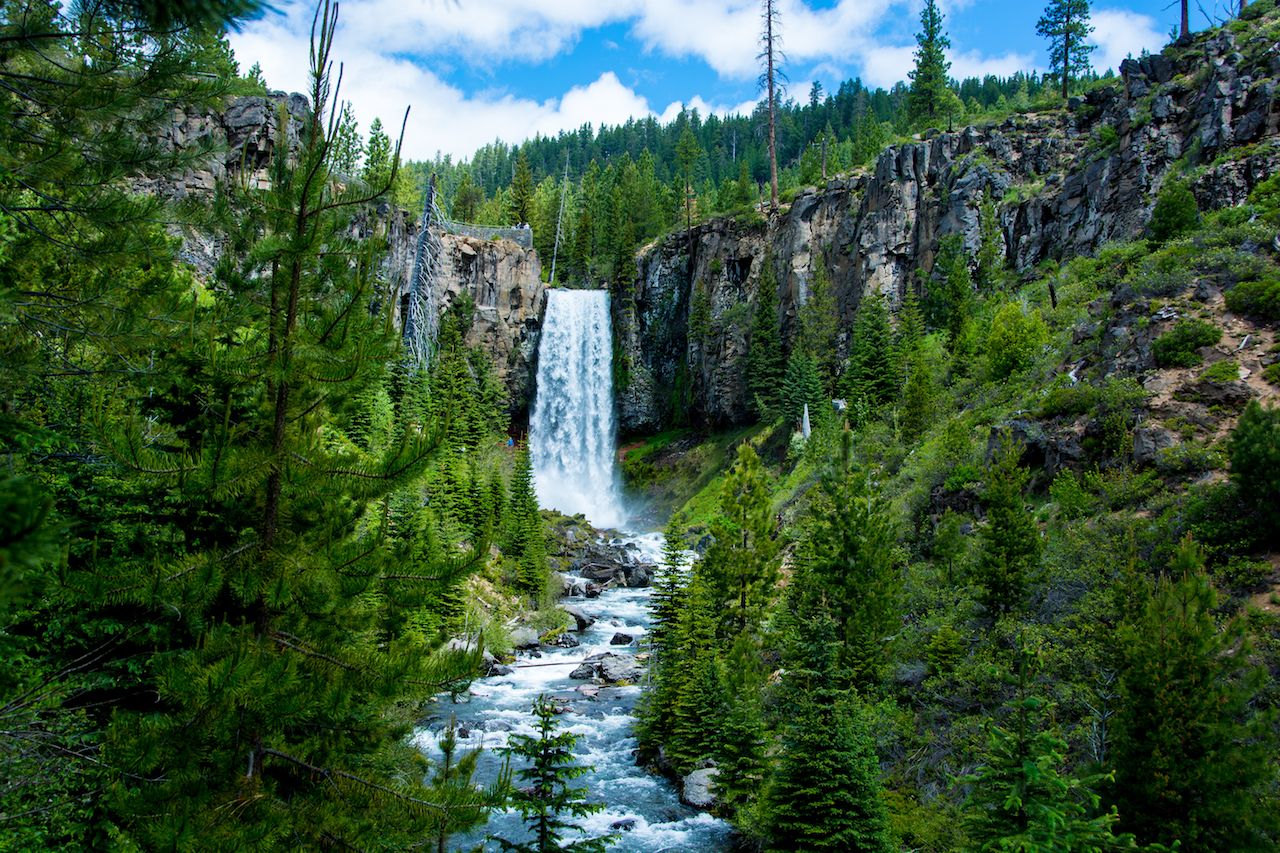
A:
{"points": [[571, 429], [572, 444]]}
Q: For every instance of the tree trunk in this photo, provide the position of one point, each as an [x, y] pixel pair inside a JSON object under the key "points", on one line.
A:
{"points": [[1186, 28], [1066, 51], [769, 72]]}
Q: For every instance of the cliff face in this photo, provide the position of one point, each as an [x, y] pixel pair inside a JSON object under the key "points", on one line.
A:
{"points": [[1065, 184], [503, 279]]}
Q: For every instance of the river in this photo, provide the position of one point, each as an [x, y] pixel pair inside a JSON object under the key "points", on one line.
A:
{"points": [[496, 707]]}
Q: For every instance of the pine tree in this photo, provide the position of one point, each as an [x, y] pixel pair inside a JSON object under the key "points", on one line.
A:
{"points": [[919, 396], [1065, 23], [546, 802], [927, 100], [1022, 798], [740, 566], [990, 243], [526, 541], [770, 81], [521, 198], [950, 295], [467, 199], [765, 362], [377, 160], [1255, 462], [817, 320], [668, 587], [871, 373], [348, 148], [801, 386], [824, 792], [1194, 755], [740, 756], [846, 560], [1010, 540]]}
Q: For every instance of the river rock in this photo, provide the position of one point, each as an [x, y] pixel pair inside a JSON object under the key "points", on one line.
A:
{"points": [[604, 572], [621, 639], [625, 825], [564, 640], [499, 669], [581, 620], [583, 671], [614, 668], [591, 590], [524, 637], [697, 788]]}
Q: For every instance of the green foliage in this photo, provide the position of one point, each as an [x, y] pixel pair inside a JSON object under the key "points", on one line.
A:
{"points": [[1260, 298], [740, 566], [1010, 550], [1065, 23], [1016, 338], [1255, 461], [1193, 756], [1175, 213], [990, 244], [817, 319], [1221, 371], [801, 386], [546, 801], [950, 292], [927, 98], [348, 148], [521, 195], [765, 363], [871, 373], [1177, 347]]}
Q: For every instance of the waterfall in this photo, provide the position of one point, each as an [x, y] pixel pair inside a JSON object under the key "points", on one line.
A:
{"points": [[571, 428]]}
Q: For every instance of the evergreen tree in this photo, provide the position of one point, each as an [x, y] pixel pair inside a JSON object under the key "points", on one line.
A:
{"points": [[817, 320], [526, 541], [1175, 213], [467, 199], [1194, 755], [740, 756], [668, 587], [546, 801], [1010, 540], [521, 196], [846, 560], [765, 362], [802, 386], [1255, 462], [348, 148], [950, 295], [929, 87], [824, 792], [740, 565], [1065, 23], [377, 160], [990, 243], [1022, 798], [919, 396], [871, 373]]}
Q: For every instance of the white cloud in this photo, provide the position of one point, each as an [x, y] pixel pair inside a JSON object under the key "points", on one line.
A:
{"points": [[1119, 33], [974, 64]]}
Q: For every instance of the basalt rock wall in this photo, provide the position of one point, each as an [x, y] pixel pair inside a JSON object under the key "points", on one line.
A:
{"points": [[1065, 183]]}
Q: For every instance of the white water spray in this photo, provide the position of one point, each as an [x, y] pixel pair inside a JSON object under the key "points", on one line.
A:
{"points": [[571, 428]]}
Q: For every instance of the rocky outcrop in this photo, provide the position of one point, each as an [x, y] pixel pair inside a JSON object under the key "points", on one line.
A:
{"points": [[502, 278], [1065, 183]]}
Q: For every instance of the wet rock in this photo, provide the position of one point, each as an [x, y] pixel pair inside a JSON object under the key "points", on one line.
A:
{"points": [[500, 669], [615, 668], [625, 825], [621, 639], [583, 671], [564, 641], [581, 620], [604, 572], [591, 590], [524, 637], [697, 789]]}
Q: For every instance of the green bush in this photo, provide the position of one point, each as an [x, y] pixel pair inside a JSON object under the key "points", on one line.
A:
{"points": [[1175, 214], [1260, 299], [1241, 573], [1189, 457], [1222, 371], [1177, 347], [1017, 336], [1266, 197], [1071, 497], [1255, 461], [1063, 398], [1166, 272], [1271, 373], [962, 475]]}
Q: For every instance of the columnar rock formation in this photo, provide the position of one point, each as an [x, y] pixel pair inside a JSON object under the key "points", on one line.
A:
{"points": [[1064, 183]]}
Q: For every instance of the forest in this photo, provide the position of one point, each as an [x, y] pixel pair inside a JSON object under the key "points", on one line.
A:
{"points": [[992, 563]]}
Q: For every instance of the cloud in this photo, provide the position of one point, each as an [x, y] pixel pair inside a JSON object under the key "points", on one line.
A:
{"points": [[1119, 33], [974, 64]]}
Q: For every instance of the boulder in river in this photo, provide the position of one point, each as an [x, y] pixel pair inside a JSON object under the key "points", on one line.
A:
{"points": [[621, 639], [583, 671], [564, 640], [697, 789], [614, 668], [524, 637], [625, 825], [581, 620]]}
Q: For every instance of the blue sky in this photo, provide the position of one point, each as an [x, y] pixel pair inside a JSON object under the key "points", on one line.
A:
{"points": [[477, 70]]}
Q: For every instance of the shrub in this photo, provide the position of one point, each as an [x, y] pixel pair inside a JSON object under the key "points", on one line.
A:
{"points": [[1016, 337], [1260, 299], [1189, 457], [1271, 373], [1070, 496], [1242, 573], [1177, 347], [1266, 197], [1166, 272], [1062, 398], [1222, 371], [1175, 214]]}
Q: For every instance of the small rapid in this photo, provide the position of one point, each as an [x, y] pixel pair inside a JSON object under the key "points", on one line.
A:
{"points": [[498, 706]]}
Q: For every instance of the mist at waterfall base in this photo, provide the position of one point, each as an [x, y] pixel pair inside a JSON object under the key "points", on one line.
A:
{"points": [[572, 432], [572, 445]]}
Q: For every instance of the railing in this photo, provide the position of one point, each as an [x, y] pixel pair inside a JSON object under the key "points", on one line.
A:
{"points": [[516, 234]]}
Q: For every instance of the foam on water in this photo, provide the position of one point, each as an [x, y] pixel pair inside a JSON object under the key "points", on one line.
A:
{"points": [[495, 708]]}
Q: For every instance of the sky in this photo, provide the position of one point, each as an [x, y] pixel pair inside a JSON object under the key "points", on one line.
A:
{"points": [[473, 71]]}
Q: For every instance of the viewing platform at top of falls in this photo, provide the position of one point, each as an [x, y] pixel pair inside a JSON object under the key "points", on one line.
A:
{"points": [[522, 235]]}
